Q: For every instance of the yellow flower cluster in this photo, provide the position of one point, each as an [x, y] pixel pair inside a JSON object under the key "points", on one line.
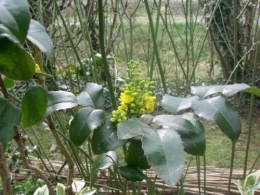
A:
{"points": [[136, 97], [37, 68]]}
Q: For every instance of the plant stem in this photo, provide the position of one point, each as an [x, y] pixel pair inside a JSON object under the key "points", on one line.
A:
{"points": [[198, 171], [235, 39], [133, 188], [155, 46], [103, 52], [5, 174], [70, 39], [125, 187], [231, 165], [4, 170], [3, 88], [205, 175], [20, 147], [255, 66], [27, 165], [65, 152]]}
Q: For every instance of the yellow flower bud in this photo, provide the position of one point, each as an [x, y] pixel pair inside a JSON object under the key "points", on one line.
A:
{"points": [[112, 120]]}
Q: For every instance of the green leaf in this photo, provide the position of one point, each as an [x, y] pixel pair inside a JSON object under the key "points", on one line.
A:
{"points": [[189, 127], [44, 74], [240, 186], [135, 155], [85, 121], [15, 62], [175, 104], [103, 161], [253, 90], [204, 91], [132, 173], [252, 181], [165, 154], [60, 100], [95, 92], [230, 90], [15, 18], [105, 138], [61, 189], [130, 128], [34, 105], [9, 83], [84, 99], [227, 90], [217, 109], [87, 191], [10, 116], [42, 190], [77, 185], [38, 36]]}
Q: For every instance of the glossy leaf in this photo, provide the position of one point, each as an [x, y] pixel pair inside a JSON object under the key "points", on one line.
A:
{"points": [[34, 105], [105, 138], [165, 154], [84, 99], [15, 18], [217, 109], [60, 100], [9, 83], [175, 104], [230, 90], [204, 91], [227, 90], [189, 127], [135, 155], [95, 92], [10, 115], [38, 36], [130, 128], [15, 62], [85, 121], [132, 173], [103, 161]]}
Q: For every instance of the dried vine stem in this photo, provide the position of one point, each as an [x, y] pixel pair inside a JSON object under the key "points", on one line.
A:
{"points": [[5, 174], [36, 170], [52, 126], [19, 143], [65, 152]]}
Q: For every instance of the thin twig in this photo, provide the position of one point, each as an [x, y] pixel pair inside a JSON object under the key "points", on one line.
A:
{"points": [[5, 174], [36, 170], [64, 151]]}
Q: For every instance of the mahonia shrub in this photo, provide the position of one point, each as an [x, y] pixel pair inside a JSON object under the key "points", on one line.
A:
{"points": [[136, 98]]}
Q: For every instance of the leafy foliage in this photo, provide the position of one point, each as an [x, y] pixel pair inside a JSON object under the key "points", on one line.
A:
{"points": [[220, 111], [85, 121], [10, 115], [60, 100], [38, 36], [15, 62], [158, 142], [14, 19], [105, 138], [34, 105]]}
